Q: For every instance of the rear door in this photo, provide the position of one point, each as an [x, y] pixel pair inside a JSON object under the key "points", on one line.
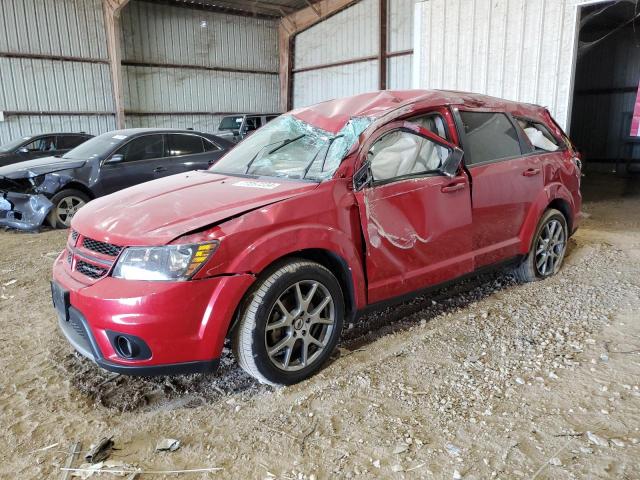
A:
{"points": [[186, 152], [416, 221], [140, 158], [505, 182]]}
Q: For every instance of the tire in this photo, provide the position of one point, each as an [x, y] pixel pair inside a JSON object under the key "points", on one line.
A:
{"points": [[281, 321], [545, 258], [68, 201]]}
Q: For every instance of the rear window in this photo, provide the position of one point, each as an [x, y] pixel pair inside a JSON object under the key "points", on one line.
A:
{"points": [[489, 136]]}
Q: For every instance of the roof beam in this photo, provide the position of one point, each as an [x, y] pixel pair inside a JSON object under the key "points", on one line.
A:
{"points": [[289, 27], [112, 9]]}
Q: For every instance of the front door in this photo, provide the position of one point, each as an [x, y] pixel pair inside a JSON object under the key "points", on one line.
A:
{"points": [[416, 221], [137, 161]]}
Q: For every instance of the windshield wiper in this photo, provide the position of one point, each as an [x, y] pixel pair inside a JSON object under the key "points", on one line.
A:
{"points": [[260, 152]]}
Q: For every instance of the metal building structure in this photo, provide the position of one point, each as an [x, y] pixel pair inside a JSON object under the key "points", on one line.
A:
{"points": [[54, 68]]}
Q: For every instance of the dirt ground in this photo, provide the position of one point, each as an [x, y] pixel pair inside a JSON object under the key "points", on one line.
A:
{"points": [[486, 379]]}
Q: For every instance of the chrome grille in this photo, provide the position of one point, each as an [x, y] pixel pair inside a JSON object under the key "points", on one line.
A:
{"points": [[74, 237], [101, 247], [89, 270]]}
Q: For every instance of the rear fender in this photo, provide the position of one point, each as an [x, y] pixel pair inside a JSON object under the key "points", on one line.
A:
{"points": [[551, 192]]}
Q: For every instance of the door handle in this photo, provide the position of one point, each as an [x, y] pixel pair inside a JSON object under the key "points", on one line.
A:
{"points": [[159, 169], [453, 188], [531, 172]]}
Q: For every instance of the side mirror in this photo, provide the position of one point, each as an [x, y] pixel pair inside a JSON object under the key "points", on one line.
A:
{"points": [[23, 150], [451, 165], [363, 177], [117, 158]]}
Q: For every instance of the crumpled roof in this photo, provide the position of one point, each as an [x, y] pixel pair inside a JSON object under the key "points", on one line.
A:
{"points": [[333, 115]]}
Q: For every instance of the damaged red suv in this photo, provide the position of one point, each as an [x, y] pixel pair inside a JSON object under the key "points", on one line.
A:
{"points": [[321, 214]]}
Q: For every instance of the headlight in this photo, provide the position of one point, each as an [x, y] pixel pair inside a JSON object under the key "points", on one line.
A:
{"points": [[171, 262]]}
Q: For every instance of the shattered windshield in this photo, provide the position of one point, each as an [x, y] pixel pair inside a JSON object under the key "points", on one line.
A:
{"points": [[97, 147], [11, 146], [290, 148]]}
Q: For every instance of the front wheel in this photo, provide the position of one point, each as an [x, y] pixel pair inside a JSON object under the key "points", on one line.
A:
{"points": [[291, 324], [547, 249], [66, 204]]}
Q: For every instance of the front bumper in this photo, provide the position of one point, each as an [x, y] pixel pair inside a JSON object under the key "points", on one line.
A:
{"points": [[23, 211], [184, 324]]}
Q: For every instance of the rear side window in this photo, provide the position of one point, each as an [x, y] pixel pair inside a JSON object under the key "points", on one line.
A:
{"points": [[178, 145], [539, 136], [489, 136], [143, 148], [209, 146], [67, 142]]}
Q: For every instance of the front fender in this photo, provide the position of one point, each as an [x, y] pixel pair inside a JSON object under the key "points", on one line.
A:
{"points": [[270, 247], [553, 191]]}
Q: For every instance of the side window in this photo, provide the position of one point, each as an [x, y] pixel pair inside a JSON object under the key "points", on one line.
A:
{"points": [[178, 145], [539, 136], [432, 122], [143, 148], [42, 144], [271, 117], [67, 142], [252, 123], [489, 136], [209, 146], [398, 154]]}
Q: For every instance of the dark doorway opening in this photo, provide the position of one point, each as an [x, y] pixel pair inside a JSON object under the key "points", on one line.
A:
{"points": [[606, 86]]}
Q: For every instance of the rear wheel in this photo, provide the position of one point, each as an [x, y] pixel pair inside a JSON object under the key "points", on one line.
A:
{"points": [[291, 324], [547, 249], [66, 204]]}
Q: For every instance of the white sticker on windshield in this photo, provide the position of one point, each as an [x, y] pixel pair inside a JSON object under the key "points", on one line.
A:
{"points": [[250, 184], [119, 137]]}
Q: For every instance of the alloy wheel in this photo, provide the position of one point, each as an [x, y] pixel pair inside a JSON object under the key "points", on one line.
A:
{"points": [[300, 325], [67, 208], [550, 248]]}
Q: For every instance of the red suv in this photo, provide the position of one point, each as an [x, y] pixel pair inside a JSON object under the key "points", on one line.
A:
{"points": [[323, 212]]}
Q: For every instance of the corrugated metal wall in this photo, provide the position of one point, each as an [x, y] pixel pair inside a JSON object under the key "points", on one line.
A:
{"points": [[607, 78], [158, 40], [517, 49], [32, 90], [350, 35]]}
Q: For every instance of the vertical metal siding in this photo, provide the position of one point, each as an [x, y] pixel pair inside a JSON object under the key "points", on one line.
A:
{"points": [[352, 33], [399, 72], [319, 85], [173, 35], [157, 89], [72, 28], [18, 126], [68, 28], [160, 34], [517, 49]]}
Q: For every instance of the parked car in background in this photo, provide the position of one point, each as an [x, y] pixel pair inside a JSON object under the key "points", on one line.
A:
{"points": [[322, 214], [54, 188], [36, 146], [236, 127]]}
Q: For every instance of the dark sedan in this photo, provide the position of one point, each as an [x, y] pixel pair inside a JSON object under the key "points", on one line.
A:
{"points": [[37, 146], [52, 189]]}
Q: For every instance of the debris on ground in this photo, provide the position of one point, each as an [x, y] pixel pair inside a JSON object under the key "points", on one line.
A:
{"points": [[100, 451], [168, 444]]}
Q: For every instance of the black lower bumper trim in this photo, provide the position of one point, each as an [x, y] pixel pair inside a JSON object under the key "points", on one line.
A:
{"points": [[204, 366]]}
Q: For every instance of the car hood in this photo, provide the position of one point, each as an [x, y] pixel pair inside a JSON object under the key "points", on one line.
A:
{"points": [[157, 212], [39, 166]]}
